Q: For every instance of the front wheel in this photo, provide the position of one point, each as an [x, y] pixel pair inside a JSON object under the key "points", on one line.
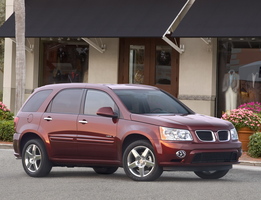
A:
{"points": [[35, 159], [211, 174], [140, 163]]}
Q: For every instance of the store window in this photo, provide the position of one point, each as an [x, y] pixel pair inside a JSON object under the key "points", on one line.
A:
{"points": [[239, 72], [64, 60], [163, 64]]}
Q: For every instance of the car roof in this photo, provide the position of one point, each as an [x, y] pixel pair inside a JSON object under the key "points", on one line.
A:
{"points": [[130, 86], [97, 86]]}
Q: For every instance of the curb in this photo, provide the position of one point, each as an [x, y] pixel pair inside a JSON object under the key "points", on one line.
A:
{"points": [[250, 163], [6, 146]]}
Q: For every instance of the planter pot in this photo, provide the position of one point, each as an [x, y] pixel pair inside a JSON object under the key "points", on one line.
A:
{"points": [[244, 134]]}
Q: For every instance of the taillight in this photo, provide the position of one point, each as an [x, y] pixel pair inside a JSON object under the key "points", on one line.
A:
{"points": [[16, 119]]}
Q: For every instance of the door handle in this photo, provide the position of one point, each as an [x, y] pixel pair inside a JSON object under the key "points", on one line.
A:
{"points": [[48, 119], [83, 121]]}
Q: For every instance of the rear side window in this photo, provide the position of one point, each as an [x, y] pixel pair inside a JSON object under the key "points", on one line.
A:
{"points": [[66, 101], [34, 103]]}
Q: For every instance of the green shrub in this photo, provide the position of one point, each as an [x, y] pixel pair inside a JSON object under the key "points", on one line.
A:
{"points": [[254, 145], [7, 130], [5, 113]]}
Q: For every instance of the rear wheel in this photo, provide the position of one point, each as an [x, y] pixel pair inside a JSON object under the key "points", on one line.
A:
{"points": [[139, 162], [211, 174], [105, 170], [35, 159]]}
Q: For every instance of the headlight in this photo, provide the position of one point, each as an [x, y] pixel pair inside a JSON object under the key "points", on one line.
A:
{"points": [[234, 135], [175, 134]]}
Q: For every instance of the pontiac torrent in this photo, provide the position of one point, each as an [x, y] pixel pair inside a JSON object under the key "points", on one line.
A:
{"points": [[140, 128]]}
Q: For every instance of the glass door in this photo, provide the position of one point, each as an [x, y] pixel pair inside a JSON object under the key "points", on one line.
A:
{"points": [[149, 61], [136, 64]]}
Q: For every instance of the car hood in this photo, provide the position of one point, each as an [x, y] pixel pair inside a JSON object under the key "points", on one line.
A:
{"points": [[190, 121]]}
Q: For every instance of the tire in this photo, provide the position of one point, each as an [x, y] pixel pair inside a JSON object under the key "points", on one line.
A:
{"points": [[35, 159], [140, 163], [105, 170], [211, 174]]}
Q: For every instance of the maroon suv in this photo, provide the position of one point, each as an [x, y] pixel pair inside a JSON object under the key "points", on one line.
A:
{"points": [[140, 128]]}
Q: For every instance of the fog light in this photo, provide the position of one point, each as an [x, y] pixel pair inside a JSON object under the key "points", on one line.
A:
{"points": [[181, 153]]}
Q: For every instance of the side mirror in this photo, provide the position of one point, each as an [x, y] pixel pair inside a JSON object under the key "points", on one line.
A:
{"points": [[106, 112]]}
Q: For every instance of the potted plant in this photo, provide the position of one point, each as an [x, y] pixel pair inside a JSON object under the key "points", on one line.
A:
{"points": [[245, 121], [254, 106]]}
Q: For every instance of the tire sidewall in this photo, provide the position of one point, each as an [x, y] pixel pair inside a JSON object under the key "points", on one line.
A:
{"points": [[105, 170], [215, 175]]}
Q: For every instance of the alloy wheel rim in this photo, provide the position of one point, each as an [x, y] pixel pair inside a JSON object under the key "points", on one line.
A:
{"points": [[141, 161], [33, 158]]}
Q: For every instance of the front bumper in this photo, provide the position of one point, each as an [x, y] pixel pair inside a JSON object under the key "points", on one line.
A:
{"points": [[199, 155]]}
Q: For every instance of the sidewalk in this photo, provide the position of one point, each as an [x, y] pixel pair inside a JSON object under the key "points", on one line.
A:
{"points": [[244, 159], [6, 145], [247, 160]]}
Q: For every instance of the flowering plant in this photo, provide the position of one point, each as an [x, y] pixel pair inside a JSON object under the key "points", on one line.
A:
{"points": [[242, 117], [5, 113], [254, 106]]}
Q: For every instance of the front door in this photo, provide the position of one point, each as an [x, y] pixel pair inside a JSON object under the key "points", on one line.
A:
{"points": [[150, 62], [96, 139]]}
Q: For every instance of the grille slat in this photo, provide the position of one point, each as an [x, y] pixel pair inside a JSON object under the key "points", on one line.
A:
{"points": [[215, 157]]}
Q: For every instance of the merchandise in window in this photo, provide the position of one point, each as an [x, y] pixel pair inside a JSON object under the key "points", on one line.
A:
{"points": [[64, 61], [239, 69]]}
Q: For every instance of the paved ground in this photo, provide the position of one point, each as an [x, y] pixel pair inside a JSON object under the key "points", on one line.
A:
{"points": [[244, 159], [80, 183]]}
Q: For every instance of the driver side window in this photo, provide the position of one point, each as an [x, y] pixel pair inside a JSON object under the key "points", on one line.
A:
{"points": [[95, 100]]}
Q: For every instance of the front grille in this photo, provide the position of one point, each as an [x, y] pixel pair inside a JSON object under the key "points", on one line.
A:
{"points": [[209, 136], [215, 157], [206, 136], [223, 135]]}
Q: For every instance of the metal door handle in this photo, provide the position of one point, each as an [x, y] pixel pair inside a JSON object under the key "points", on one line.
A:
{"points": [[48, 118], [83, 121]]}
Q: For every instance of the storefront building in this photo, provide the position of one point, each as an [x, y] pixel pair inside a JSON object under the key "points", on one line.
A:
{"points": [[183, 47]]}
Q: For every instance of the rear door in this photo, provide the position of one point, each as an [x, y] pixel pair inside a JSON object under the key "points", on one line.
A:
{"points": [[96, 138], [59, 122]]}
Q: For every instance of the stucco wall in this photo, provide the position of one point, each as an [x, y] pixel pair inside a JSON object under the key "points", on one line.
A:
{"points": [[197, 78], [9, 65], [32, 68], [103, 67]]}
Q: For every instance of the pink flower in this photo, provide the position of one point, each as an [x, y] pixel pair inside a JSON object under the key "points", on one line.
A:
{"points": [[243, 117]]}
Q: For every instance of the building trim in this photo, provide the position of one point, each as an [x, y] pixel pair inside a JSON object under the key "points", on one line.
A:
{"points": [[197, 97]]}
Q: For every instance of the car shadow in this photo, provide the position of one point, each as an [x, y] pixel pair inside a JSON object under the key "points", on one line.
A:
{"points": [[120, 175]]}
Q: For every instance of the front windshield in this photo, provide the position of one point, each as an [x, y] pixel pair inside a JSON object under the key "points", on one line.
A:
{"points": [[142, 101]]}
